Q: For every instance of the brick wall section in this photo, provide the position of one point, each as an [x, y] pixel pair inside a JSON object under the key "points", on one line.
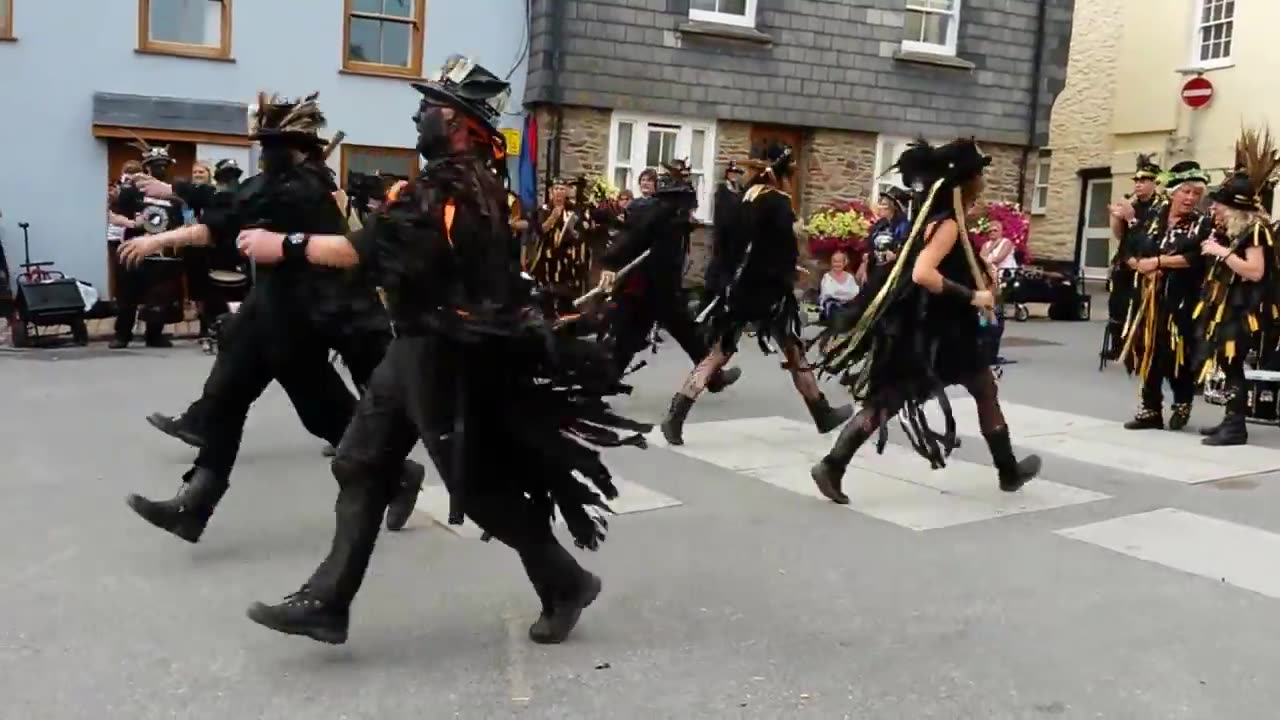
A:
{"points": [[1080, 125], [812, 63], [839, 166]]}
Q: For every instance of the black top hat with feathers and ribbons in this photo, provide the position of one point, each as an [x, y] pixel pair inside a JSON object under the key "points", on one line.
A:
{"points": [[923, 165], [296, 122], [1256, 161], [676, 178], [1147, 168], [775, 158], [469, 88], [152, 154]]}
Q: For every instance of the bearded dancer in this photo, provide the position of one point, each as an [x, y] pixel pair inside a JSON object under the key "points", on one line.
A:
{"points": [[1240, 302], [761, 295], [650, 293], [920, 332], [287, 325], [1159, 330], [502, 404]]}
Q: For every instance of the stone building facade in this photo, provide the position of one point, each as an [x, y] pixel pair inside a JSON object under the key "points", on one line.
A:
{"points": [[628, 83]]}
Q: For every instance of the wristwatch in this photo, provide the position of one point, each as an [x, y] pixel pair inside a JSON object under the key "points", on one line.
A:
{"points": [[295, 247]]}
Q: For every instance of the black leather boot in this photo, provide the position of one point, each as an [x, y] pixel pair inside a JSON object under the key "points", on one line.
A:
{"points": [[565, 588], [1146, 419], [181, 427], [1014, 473], [188, 512], [723, 379], [1233, 430], [828, 474], [406, 497], [302, 613], [673, 423], [1179, 416], [826, 417], [1209, 430]]}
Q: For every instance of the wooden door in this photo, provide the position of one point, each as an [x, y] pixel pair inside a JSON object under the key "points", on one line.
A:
{"points": [[762, 135]]}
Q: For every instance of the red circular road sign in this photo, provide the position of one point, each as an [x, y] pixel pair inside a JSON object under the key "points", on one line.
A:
{"points": [[1197, 92]]}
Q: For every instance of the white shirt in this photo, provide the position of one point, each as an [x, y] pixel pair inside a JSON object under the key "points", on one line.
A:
{"points": [[833, 289]]}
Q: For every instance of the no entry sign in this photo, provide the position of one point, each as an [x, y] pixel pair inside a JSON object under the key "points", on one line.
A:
{"points": [[1197, 92]]}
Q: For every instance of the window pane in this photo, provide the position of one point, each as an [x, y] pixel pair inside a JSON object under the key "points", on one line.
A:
{"points": [[935, 28], [387, 162], [623, 153], [1042, 197], [733, 7], [190, 22], [1042, 174], [366, 6], [1099, 213], [707, 5], [1097, 252], [914, 27], [385, 42], [696, 148], [397, 8], [661, 147], [622, 178]]}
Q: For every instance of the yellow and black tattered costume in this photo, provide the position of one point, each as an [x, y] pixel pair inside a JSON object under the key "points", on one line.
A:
{"points": [[1237, 315], [561, 260], [1159, 331]]}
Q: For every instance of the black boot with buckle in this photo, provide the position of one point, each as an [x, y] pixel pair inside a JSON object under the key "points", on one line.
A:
{"points": [[1179, 416], [187, 513], [828, 474], [1146, 419], [565, 588], [673, 424], [1233, 430], [1013, 473]]}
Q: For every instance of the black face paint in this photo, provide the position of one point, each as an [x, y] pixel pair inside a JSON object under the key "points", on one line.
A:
{"points": [[433, 131], [276, 158], [159, 170]]}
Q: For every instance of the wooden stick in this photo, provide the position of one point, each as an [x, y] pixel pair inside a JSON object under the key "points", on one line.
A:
{"points": [[1133, 331]]}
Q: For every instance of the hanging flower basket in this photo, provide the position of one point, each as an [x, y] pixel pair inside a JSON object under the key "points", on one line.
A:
{"points": [[843, 226]]}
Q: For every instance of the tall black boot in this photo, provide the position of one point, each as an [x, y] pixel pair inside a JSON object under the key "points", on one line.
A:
{"points": [[565, 588], [829, 472], [406, 497], [1014, 473], [1233, 430], [826, 417], [673, 424], [187, 513], [723, 378]]}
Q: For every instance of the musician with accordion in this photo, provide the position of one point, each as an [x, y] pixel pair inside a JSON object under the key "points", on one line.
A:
{"points": [[155, 285], [1240, 301]]}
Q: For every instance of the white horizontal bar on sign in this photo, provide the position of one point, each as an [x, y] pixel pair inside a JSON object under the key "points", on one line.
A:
{"points": [[632, 498], [1221, 551]]}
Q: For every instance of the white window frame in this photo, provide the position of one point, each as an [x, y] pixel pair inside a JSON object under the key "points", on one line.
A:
{"points": [[888, 148], [1045, 163], [685, 128], [1198, 28], [953, 29], [747, 19]]}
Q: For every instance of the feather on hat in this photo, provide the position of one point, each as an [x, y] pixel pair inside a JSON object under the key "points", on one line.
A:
{"points": [[277, 118], [1256, 161], [150, 154]]}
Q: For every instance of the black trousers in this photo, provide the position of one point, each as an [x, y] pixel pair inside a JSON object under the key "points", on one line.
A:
{"points": [[1165, 368], [262, 350], [1236, 386], [634, 316], [410, 397], [131, 289]]}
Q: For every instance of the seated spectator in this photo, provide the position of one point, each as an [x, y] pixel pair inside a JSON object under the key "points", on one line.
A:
{"points": [[838, 286]]}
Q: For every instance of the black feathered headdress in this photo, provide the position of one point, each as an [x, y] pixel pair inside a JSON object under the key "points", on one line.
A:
{"points": [[1148, 169], [151, 154], [675, 178], [276, 118], [470, 88], [923, 165], [1256, 160]]}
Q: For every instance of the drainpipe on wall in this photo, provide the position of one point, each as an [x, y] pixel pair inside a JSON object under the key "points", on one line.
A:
{"points": [[1036, 86], [555, 42]]}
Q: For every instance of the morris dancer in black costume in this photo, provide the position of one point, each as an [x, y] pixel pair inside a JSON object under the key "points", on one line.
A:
{"points": [[1240, 303], [288, 324], [761, 295], [1129, 219], [650, 293], [502, 404], [728, 204], [920, 333], [1160, 330]]}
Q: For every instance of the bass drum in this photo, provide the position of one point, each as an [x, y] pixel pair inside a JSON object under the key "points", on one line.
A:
{"points": [[163, 299], [230, 286]]}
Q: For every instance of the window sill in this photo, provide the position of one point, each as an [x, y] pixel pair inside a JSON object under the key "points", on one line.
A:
{"points": [[929, 58], [727, 32], [8, 38], [193, 54], [389, 74], [1202, 69]]}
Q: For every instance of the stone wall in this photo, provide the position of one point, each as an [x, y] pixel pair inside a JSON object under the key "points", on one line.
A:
{"points": [[837, 166], [1079, 128], [584, 144]]}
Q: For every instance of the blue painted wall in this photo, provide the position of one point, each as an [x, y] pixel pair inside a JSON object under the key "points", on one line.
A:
{"points": [[53, 172]]}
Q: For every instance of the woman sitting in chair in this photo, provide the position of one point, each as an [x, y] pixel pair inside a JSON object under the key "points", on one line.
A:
{"points": [[838, 286]]}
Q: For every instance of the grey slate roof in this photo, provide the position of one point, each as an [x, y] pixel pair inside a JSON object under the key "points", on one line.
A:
{"points": [[163, 113], [817, 63]]}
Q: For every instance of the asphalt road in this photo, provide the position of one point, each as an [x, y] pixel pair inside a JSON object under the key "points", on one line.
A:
{"points": [[743, 598]]}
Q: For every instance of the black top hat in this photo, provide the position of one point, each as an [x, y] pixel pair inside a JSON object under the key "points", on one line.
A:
{"points": [[152, 155], [468, 87], [1147, 168], [922, 165], [899, 197], [227, 168], [733, 169], [1186, 171], [675, 178], [276, 119]]}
